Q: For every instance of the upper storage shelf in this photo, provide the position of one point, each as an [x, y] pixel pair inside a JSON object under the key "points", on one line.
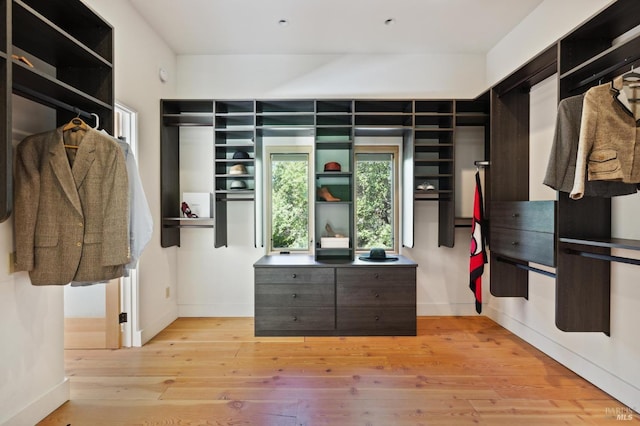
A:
{"points": [[69, 67], [602, 48], [383, 117], [74, 19]]}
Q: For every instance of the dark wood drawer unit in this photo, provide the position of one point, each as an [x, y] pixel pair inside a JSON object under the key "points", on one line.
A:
{"points": [[298, 296], [381, 320], [524, 230], [376, 287], [295, 294], [538, 216], [376, 301], [526, 245], [300, 319], [287, 275]]}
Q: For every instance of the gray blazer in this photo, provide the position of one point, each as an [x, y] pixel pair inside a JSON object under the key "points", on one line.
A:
{"points": [[561, 167], [70, 222]]}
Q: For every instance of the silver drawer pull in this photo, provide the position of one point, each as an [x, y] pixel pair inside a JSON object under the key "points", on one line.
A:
{"points": [[515, 215], [377, 295], [375, 275], [515, 243], [377, 318], [293, 276], [294, 295], [295, 318]]}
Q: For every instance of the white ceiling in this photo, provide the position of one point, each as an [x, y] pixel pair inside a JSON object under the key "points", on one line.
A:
{"points": [[210, 27]]}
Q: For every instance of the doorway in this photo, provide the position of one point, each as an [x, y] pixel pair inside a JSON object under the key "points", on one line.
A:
{"points": [[104, 315]]}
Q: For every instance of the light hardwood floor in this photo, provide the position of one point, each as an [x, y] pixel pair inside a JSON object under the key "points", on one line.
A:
{"points": [[213, 371]]}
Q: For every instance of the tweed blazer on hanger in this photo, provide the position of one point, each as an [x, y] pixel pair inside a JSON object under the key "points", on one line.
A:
{"points": [[70, 221], [609, 145]]}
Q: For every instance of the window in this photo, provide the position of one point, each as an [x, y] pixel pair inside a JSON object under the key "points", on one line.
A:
{"points": [[376, 183], [290, 207], [289, 211]]}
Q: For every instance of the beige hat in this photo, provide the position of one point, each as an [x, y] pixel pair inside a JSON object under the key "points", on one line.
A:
{"points": [[238, 169]]}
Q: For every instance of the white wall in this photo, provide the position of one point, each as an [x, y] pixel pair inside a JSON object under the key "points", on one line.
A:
{"points": [[326, 76], [139, 53], [550, 21]]}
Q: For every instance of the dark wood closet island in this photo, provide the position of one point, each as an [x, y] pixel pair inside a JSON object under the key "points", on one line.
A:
{"points": [[296, 295]]}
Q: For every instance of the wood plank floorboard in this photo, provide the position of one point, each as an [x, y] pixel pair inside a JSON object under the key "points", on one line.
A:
{"points": [[214, 371]]}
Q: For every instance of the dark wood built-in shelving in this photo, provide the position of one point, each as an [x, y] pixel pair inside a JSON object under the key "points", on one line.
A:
{"points": [[71, 48]]}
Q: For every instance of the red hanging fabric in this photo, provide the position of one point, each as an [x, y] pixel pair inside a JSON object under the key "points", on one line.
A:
{"points": [[477, 250]]}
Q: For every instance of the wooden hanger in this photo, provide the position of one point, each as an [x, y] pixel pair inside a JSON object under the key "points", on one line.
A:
{"points": [[74, 125]]}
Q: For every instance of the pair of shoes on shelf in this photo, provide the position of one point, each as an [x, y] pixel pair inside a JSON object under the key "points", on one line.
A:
{"points": [[324, 193], [186, 211], [425, 186]]}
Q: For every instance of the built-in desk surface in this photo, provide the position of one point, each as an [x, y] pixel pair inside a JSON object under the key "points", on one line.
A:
{"points": [[307, 260]]}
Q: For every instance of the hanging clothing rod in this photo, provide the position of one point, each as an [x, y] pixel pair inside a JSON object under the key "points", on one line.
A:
{"points": [[526, 267], [625, 62], [607, 257], [49, 101], [543, 69]]}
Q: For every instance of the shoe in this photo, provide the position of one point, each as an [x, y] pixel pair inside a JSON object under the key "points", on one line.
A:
{"points": [[425, 186], [324, 193], [331, 233], [186, 211], [329, 230]]}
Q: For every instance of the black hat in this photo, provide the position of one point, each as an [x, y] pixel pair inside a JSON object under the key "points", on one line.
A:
{"points": [[378, 255], [240, 155]]}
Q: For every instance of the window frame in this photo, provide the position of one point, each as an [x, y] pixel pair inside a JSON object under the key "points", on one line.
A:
{"points": [[394, 150], [288, 149]]}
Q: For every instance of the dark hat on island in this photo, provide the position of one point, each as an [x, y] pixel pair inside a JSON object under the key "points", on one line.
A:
{"points": [[378, 255]]}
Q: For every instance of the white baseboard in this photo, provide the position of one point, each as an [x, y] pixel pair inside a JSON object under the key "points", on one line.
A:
{"points": [[446, 309], [140, 337], [216, 310], [41, 407], [615, 386]]}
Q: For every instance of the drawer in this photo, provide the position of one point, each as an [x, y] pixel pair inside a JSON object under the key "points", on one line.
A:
{"points": [[526, 215], [291, 318], [292, 295], [383, 275], [529, 246], [386, 293], [275, 275], [377, 321]]}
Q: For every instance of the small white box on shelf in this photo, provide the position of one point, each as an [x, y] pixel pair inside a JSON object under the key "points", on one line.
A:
{"points": [[334, 242], [200, 203]]}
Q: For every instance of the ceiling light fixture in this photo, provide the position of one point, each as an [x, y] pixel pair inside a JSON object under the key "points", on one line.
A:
{"points": [[389, 22], [283, 22]]}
